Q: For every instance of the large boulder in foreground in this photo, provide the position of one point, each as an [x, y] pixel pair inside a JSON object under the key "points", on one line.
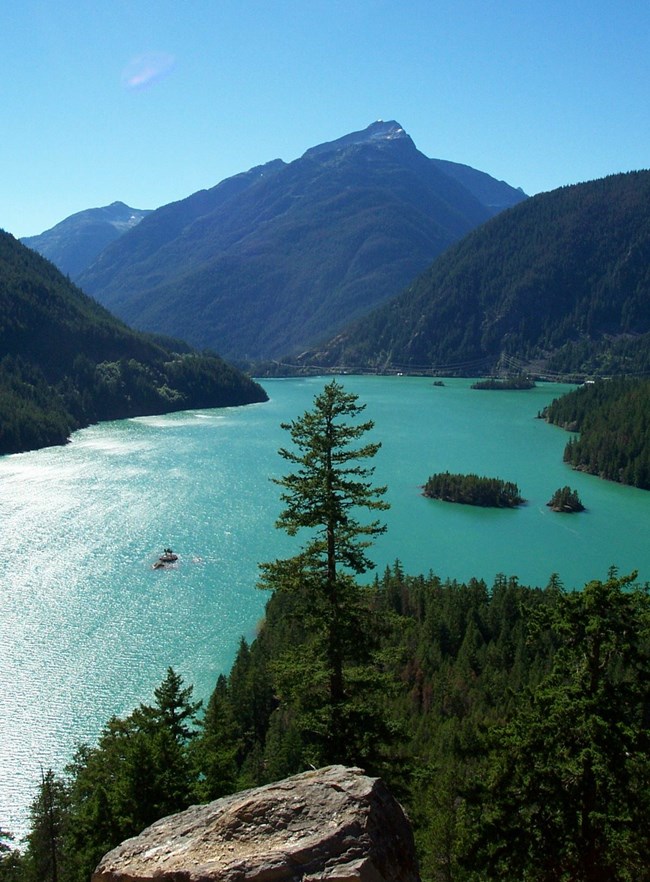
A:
{"points": [[331, 824]]}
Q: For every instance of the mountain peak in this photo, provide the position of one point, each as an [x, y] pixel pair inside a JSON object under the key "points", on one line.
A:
{"points": [[384, 130], [75, 241], [378, 131]]}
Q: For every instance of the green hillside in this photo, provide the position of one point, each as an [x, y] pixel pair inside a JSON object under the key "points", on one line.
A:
{"points": [[560, 283], [65, 362]]}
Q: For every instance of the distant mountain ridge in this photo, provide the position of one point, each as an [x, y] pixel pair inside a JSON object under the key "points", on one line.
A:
{"points": [[496, 195], [65, 362], [283, 255], [560, 282], [74, 243]]}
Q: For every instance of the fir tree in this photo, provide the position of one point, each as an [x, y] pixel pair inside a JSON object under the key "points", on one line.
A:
{"points": [[323, 495], [48, 820], [11, 863], [568, 796]]}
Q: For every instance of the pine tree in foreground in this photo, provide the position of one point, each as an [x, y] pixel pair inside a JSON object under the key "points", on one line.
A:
{"points": [[328, 683]]}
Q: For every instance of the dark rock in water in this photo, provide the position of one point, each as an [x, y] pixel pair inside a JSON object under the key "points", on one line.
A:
{"points": [[332, 824]]}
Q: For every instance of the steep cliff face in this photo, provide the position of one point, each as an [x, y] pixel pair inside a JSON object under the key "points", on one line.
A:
{"points": [[335, 823]]}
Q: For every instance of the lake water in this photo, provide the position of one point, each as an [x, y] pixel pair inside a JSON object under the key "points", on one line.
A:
{"points": [[88, 628]]}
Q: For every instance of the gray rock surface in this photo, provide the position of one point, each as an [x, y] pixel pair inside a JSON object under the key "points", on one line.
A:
{"points": [[333, 824]]}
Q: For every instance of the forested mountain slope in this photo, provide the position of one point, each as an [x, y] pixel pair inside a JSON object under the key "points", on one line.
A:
{"points": [[76, 241], [283, 255], [561, 280], [67, 362]]}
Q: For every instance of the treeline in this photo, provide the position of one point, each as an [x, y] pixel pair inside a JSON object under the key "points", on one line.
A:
{"points": [[66, 362], [493, 713], [36, 413], [473, 490], [613, 419], [31, 415]]}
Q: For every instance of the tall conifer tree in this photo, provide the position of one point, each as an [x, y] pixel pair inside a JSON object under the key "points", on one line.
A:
{"points": [[323, 495]]}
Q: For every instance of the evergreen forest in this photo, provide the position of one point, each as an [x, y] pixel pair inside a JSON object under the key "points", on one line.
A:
{"points": [[65, 362], [512, 721], [612, 418]]}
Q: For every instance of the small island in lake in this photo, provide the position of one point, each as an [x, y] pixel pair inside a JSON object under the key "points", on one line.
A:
{"points": [[519, 382], [473, 490], [565, 500]]}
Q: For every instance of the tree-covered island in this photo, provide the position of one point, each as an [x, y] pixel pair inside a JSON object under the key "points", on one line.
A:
{"points": [[473, 490], [565, 500], [519, 382]]}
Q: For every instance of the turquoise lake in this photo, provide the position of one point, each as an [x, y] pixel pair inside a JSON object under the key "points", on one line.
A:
{"points": [[88, 628]]}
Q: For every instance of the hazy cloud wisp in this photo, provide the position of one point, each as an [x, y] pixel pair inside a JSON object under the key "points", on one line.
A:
{"points": [[145, 70]]}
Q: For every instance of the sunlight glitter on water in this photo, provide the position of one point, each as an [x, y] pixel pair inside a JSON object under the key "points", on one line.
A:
{"points": [[88, 628]]}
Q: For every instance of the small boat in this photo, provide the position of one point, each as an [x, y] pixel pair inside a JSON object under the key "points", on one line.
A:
{"points": [[166, 558]]}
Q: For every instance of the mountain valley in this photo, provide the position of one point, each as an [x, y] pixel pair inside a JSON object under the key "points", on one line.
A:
{"points": [[67, 362]]}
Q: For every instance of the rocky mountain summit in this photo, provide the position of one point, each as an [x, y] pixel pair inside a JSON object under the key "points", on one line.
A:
{"points": [[335, 823], [377, 131]]}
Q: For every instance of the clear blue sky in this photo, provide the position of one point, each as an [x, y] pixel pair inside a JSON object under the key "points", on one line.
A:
{"points": [[147, 102]]}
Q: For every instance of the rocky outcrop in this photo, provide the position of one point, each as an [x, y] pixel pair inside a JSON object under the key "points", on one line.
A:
{"points": [[334, 824]]}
